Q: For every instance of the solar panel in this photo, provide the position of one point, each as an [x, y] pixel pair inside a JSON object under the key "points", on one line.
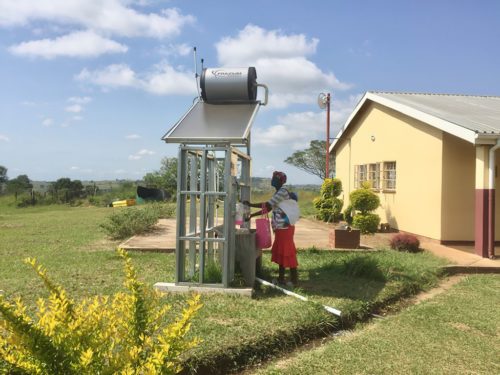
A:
{"points": [[206, 123]]}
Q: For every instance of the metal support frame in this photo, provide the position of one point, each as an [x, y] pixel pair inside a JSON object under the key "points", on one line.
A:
{"points": [[199, 238]]}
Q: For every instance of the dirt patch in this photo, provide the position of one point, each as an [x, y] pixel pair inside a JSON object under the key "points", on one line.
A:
{"points": [[441, 288], [7, 225], [377, 240], [101, 245], [461, 327]]}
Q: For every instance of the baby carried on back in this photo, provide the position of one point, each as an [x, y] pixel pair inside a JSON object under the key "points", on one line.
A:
{"points": [[291, 208]]}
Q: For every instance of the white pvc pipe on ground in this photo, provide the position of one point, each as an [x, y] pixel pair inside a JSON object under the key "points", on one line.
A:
{"points": [[289, 293]]}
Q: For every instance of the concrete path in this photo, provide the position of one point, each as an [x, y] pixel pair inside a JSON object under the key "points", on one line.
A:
{"points": [[308, 233], [312, 233]]}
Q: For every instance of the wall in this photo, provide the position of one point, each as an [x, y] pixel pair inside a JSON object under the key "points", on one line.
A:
{"points": [[458, 190], [416, 147]]}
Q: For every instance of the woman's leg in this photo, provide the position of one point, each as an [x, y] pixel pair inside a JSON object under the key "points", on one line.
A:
{"points": [[281, 277], [294, 276]]}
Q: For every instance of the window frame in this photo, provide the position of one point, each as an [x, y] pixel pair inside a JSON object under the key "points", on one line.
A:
{"points": [[382, 176], [389, 177]]}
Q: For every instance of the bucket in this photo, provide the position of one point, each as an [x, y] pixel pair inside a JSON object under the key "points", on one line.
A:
{"points": [[240, 211]]}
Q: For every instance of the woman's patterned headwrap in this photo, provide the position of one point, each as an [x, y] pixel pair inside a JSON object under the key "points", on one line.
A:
{"points": [[280, 176]]}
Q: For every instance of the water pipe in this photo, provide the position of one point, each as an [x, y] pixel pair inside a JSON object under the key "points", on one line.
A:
{"points": [[491, 186], [289, 293], [266, 97]]}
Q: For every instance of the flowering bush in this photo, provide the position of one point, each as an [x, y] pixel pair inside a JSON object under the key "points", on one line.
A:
{"points": [[127, 333], [405, 242]]}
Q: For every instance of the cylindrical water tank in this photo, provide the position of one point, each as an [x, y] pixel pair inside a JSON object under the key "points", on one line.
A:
{"points": [[222, 85]]}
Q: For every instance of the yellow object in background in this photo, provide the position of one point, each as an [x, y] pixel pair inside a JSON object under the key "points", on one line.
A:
{"points": [[124, 203]]}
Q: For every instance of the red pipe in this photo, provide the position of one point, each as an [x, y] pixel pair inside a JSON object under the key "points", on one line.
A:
{"points": [[327, 135]]}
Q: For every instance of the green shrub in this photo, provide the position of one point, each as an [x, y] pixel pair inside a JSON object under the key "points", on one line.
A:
{"points": [[348, 214], [127, 333], [364, 200], [327, 205], [363, 266], [366, 223], [128, 221], [165, 210]]}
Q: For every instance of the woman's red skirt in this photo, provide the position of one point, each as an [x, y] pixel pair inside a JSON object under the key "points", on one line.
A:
{"points": [[283, 251]]}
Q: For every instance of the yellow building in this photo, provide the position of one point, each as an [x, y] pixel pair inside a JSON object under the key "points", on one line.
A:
{"points": [[433, 161]]}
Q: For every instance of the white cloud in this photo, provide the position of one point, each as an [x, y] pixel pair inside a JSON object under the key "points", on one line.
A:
{"points": [[293, 129], [140, 154], [4, 138], [80, 99], [75, 108], [115, 75], [253, 42], [133, 136], [282, 63], [298, 129], [164, 79], [48, 122], [77, 44], [112, 17], [341, 110], [176, 50], [29, 103], [81, 170]]}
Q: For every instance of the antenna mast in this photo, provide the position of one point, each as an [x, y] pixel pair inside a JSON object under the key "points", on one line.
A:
{"points": [[196, 75]]}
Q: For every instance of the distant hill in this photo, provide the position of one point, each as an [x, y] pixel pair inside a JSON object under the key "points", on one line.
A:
{"points": [[104, 185], [264, 184], [258, 184]]}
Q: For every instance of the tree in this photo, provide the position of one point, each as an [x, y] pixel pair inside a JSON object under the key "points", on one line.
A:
{"points": [[3, 175], [165, 178], [19, 184], [312, 160], [65, 190]]}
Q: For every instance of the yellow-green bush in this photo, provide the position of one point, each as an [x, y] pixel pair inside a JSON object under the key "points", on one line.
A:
{"points": [[328, 206], [127, 333], [363, 201]]}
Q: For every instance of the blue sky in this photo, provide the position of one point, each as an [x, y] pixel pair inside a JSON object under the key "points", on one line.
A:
{"points": [[88, 88]]}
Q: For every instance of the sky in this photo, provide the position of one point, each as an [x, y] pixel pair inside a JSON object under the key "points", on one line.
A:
{"points": [[89, 87]]}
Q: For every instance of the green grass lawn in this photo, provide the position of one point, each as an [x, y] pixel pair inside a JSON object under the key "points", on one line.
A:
{"points": [[236, 331], [456, 332]]}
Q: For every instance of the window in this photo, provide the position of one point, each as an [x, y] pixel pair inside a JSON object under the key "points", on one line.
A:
{"points": [[374, 175], [359, 175], [389, 175], [382, 176]]}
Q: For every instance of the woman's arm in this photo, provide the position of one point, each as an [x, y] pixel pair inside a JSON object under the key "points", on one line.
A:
{"points": [[257, 205]]}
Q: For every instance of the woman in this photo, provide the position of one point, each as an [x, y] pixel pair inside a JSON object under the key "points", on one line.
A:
{"points": [[283, 251]]}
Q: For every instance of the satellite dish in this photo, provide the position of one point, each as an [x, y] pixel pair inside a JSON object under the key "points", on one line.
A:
{"points": [[322, 100]]}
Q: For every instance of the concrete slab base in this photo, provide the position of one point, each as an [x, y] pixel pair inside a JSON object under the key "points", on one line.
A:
{"points": [[173, 288]]}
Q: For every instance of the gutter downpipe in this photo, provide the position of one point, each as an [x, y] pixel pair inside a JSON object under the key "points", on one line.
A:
{"points": [[491, 200]]}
